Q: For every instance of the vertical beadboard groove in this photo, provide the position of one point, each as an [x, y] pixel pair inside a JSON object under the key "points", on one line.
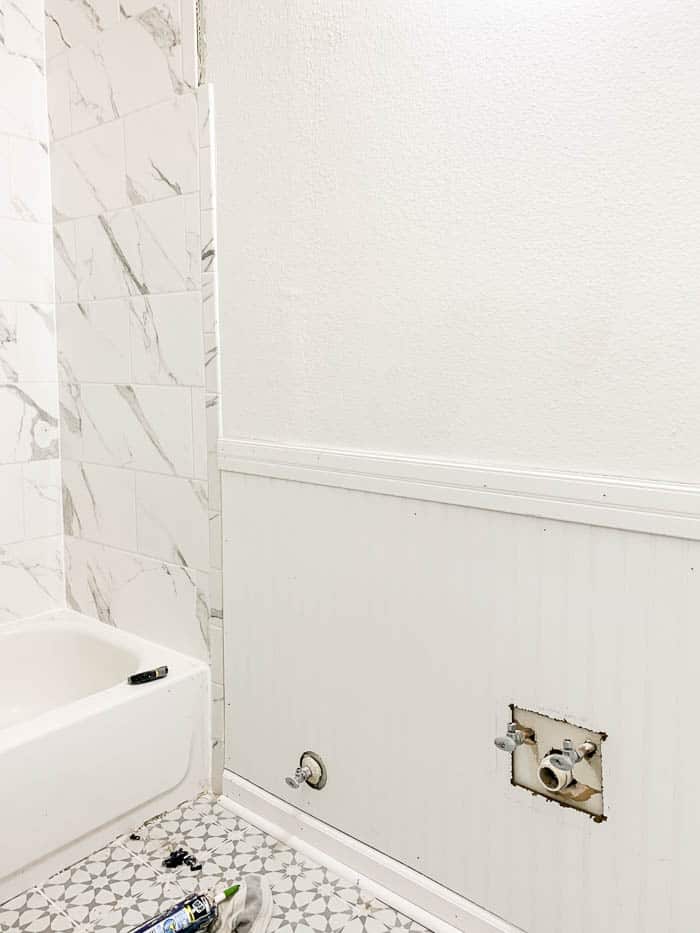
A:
{"points": [[403, 629]]}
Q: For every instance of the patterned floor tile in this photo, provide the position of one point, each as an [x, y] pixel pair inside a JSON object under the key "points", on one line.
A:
{"points": [[369, 915], [111, 891], [126, 883], [184, 827], [396, 922], [309, 911], [32, 912]]}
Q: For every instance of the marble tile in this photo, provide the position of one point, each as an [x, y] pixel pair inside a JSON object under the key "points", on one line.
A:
{"points": [[205, 114], [172, 519], [216, 649], [27, 342], [161, 52], [93, 341], [206, 171], [23, 28], [149, 597], [58, 91], [140, 62], [214, 481], [29, 423], [42, 498], [30, 180], [199, 433], [88, 172], [69, 24], [217, 737], [211, 362], [215, 541], [209, 304], [23, 110], [99, 504], [11, 503], [136, 251], [26, 261], [31, 577], [200, 578], [5, 180], [25, 190], [166, 340], [208, 242], [190, 10], [193, 240], [161, 150], [143, 427], [91, 97], [33, 912], [212, 411], [71, 429], [216, 594], [65, 262]]}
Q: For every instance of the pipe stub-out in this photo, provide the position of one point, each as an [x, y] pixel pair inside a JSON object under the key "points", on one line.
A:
{"points": [[553, 779]]}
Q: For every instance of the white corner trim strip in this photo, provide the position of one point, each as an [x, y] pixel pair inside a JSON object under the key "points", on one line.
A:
{"points": [[406, 890], [614, 502]]}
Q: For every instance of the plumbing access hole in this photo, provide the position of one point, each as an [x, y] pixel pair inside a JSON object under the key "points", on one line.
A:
{"points": [[549, 778]]}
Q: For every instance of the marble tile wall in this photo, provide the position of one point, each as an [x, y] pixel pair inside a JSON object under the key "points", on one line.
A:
{"points": [[31, 572], [210, 319], [126, 120], [108, 323]]}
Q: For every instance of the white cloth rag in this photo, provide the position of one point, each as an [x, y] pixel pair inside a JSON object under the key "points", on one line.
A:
{"points": [[248, 911]]}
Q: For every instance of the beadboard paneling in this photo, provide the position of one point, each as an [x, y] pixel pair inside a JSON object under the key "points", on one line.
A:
{"points": [[390, 634]]}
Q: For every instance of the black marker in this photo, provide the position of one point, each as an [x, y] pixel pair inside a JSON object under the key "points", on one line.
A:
{"points": [[145, 677]]}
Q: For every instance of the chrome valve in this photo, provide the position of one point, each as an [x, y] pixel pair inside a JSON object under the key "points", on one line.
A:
{"points": [[569, 757], [515, 736], [301, 776], [310, 771]]}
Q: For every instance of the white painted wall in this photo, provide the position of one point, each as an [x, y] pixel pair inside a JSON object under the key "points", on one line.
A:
{"points": [[390, 635], [463, 229]]}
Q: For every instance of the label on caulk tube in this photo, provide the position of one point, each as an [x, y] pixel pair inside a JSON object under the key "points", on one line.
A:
{"points": [[191, 914]]}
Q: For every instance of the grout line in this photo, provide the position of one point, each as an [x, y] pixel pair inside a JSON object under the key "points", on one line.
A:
{"points": [[138, 554], [127, 469], [152, 862]]}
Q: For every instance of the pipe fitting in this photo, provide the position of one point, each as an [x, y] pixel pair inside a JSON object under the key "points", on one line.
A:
{"points": [[552, 778]]}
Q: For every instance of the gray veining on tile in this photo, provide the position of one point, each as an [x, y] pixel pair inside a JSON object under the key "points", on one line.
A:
{"points": [[29, 426]]}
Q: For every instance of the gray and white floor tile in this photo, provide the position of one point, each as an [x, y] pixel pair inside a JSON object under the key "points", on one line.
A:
{"points": [[126, 883]]}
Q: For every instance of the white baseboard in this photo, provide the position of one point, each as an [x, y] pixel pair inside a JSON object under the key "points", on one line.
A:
{"points": [[404, 889], [608, 501]]}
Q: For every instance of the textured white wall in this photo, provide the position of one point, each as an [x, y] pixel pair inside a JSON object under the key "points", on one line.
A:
{"points": [[463, 229]]}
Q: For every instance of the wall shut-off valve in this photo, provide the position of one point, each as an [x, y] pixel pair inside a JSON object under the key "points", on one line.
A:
{"points": [[515, 735], [556, 759], [310, 770]]}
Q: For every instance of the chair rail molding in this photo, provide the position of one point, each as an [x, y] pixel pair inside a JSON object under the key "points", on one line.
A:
{"points": [[650, 506]]}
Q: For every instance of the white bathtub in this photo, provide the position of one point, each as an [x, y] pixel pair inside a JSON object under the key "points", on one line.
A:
{"points": [[83, 755]]}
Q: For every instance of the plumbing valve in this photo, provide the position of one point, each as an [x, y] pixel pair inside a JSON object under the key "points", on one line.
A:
{"points": [[301, 776], [515, 735], [569, 757], [310, 771]]}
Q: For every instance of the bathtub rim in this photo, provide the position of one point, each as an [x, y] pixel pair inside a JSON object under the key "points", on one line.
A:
{"points": [[148, 654]]}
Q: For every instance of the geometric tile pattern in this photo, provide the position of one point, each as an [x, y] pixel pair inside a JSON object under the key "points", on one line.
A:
{"points": [[125, 883]]}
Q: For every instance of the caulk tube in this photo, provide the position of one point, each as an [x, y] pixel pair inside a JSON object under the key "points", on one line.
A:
{"points": [[195, 912]]}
